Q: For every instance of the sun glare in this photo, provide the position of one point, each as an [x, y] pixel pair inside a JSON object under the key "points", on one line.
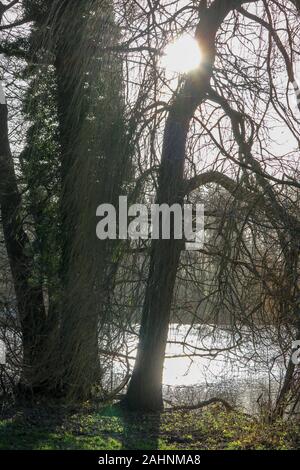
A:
{"points": [[182, 55]]}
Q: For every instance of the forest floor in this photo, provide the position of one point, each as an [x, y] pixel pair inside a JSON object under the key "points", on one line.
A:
{"points": [[110, 428]]}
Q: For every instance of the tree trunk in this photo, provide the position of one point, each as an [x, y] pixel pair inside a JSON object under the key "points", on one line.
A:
{"points": [[145, 388], [85, 162], [29, 293], [79, 334]]}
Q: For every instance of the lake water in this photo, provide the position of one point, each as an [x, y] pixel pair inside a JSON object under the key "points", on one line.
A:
{"points": [[218, 367], [214, 363]]}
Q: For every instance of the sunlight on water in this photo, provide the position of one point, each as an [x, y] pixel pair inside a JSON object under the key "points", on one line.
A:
{"points": [[201, 368], [240, 375]]}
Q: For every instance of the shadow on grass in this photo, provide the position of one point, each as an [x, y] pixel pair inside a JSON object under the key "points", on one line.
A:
{"points": [[24, 432], [140, 431], [108, 428]]}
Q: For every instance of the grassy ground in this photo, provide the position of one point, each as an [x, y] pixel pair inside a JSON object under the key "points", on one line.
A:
{"points": [[110, 428]]}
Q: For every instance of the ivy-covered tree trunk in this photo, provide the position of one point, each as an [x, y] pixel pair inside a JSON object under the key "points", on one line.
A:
{"points": [[90, 151]]}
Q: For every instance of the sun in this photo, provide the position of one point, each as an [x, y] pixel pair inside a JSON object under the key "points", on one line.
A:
{"points": [[182, 55]]}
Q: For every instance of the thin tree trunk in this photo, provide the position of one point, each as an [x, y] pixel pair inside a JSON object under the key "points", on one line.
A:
{"points": [[29, 293], [145, 388]]}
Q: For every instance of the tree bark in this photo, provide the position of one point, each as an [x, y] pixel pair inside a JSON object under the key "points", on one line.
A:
{"points": [[79, 329], [90, 171], [28, 291]]}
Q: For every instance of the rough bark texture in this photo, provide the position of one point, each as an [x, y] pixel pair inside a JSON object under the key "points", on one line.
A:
{"points": [[92, 153], [79, 332]]}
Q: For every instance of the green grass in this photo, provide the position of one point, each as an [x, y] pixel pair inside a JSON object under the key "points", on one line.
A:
{"points": [[110, 428]]}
